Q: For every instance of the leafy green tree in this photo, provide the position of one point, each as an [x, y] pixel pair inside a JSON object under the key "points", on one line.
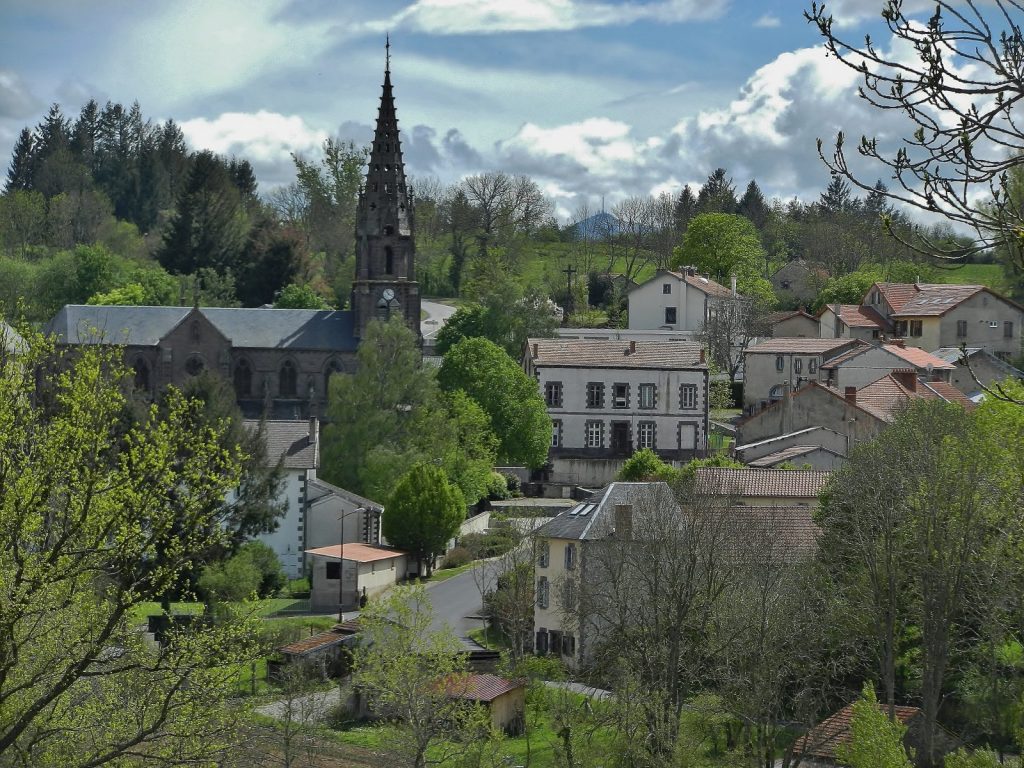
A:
{"points": [[722, 245], [96, 521], [230, 580], [685, 209], [875, 740], [507, 395], [848, 289], [424, 513], [130, 295], [645, 465], [300, 297], [272, 575], [468, 448]]}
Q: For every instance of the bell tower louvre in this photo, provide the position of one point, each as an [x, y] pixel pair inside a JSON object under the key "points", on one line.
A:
{"points": [[385, 281]]}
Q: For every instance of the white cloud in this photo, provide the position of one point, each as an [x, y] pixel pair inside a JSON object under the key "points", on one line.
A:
{"points": [[16, 101], [265, 139], [768, 21], [453, 17]]}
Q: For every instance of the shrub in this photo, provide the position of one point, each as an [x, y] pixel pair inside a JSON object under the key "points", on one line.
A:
{"points": [[490, 544], [457, 557], [297, 588], [645, 465], [497, 488], [272, 576], [513, 483]]}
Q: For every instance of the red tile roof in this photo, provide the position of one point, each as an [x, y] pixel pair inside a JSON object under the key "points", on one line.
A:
{"points": [[947, 392], [359, 553], [484, 688], [791, 527], [708, 286], [802, 346], [919, 358], [314, 643], [607, 353], [778, 317], [821, 741], [936, 300], [778, 483], [895, 294], [889, 394], [859, 316]]}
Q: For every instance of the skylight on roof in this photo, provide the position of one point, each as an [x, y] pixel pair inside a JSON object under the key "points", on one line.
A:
{"points": [[587, 509], [576, 510]]}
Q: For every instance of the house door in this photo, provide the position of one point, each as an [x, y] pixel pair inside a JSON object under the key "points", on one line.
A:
{"points": [[621, 443]]}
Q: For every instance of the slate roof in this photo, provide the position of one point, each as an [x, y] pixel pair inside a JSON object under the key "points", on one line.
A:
{"points": [[821, 741], [327, 490], [584, 521], [246, 328], [290, 441], [359, 553], [484, 687], [855, 351], [10, 339], [801, 346], [604, 353], [786, 454], [805, 431], [769, 483]]}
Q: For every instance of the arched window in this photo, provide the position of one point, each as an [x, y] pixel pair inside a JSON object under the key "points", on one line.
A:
{"points": [[389, 259], [141, 374], [243, 378], [288, 379], [333, 367]]}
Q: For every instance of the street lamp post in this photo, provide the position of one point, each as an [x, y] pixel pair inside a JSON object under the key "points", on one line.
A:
{"points": [[341, 561]]}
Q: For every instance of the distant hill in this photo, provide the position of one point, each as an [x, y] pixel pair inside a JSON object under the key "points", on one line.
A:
{"points": [[600, 226]]}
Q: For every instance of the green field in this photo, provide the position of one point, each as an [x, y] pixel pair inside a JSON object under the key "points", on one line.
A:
{"points": [[991, 275]]}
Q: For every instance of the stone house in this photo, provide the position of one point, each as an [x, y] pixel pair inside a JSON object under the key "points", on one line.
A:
{"points": [[852, 321], [795, 324], [775, 363], [365, 570], [986, 368], [931, 316], [798, 282], [865, 363], [608, 398], [675, 301]]}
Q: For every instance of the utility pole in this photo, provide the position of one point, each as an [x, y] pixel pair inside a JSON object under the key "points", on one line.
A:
{"points": [[569, 272]]}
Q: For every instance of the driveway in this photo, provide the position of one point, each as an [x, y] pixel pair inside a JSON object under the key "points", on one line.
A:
{"points": [[456, 602], [437, 316]]}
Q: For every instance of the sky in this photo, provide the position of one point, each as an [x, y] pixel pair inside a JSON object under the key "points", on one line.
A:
{"points": [[594, 99]]}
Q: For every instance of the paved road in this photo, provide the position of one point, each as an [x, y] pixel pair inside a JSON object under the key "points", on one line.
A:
{"points": [[456, 602], [437, 315]]}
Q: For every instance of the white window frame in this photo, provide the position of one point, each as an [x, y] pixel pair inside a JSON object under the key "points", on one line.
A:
{"points": [[590, 429], [647, 396], [646, 435], [688, 397]]}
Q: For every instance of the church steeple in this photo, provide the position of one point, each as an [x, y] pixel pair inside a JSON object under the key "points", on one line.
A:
{"points": [[385, 280]]}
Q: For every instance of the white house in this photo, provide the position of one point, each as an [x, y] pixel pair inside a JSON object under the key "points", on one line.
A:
{"points": [[609, 398], [365, 570], [674, 301]]}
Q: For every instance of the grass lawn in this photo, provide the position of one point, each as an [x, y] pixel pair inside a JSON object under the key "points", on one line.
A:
{"points": [[442, 574], [991, 275]]}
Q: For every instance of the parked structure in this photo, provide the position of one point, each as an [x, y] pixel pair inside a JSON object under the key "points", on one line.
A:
{"points": [[609, 398], [675, 301]]}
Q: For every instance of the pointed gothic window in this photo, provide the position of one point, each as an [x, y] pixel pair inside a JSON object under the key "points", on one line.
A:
{"points": [[243, 378], [288, 379], [389, 256], [141, 375]]}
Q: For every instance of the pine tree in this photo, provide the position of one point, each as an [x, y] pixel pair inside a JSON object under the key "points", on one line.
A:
{"points": [[85, 134], [718, 195], [753, 205], [686, 209], [837, 198], [20, 171]]}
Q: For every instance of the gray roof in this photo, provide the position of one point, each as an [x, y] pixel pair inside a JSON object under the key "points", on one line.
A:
{"points": [[788, 454], [244, 328], [289, 440], [767, 483], [606, 353], [326, 489], [590, 519], [10, 339], [954, 355]]}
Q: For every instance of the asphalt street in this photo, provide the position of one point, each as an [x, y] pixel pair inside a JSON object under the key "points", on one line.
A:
{"points": [[437, 314], [456, 602]]}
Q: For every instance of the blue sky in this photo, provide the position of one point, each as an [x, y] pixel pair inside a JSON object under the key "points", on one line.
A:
{"points": [[591, 97]]}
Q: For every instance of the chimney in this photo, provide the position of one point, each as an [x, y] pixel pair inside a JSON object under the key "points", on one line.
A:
{"points": [[314, 429], [850, 395], [691, 271], [734, 285], [535, 346], [623, 522], [907, 377], [632, 347]]}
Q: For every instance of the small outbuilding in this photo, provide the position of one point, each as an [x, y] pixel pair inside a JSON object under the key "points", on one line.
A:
{"points": [[504, 699], [343, 574]]}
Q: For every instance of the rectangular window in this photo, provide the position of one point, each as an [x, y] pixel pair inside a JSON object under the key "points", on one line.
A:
{"points": [[542, 592], [687, 396], [812, 365], [620, 396], [666, 287], [333, 571], [570, 557], [1007, 329], [553, 394], [961, 329], [780, 363], [542, 641], [556, 433], [915, 327], [568, 645], [594, 437], [543, 554], [670, 315], [645, 435], [569, 594], [646, 396], [900, 328], [595, 394], [798, 365]]}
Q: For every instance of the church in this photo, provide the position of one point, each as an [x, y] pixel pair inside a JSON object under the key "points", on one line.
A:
{"points": [[279, 361]]}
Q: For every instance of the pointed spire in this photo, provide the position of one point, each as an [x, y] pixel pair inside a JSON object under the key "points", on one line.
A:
{"points": [[387, 53]]}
